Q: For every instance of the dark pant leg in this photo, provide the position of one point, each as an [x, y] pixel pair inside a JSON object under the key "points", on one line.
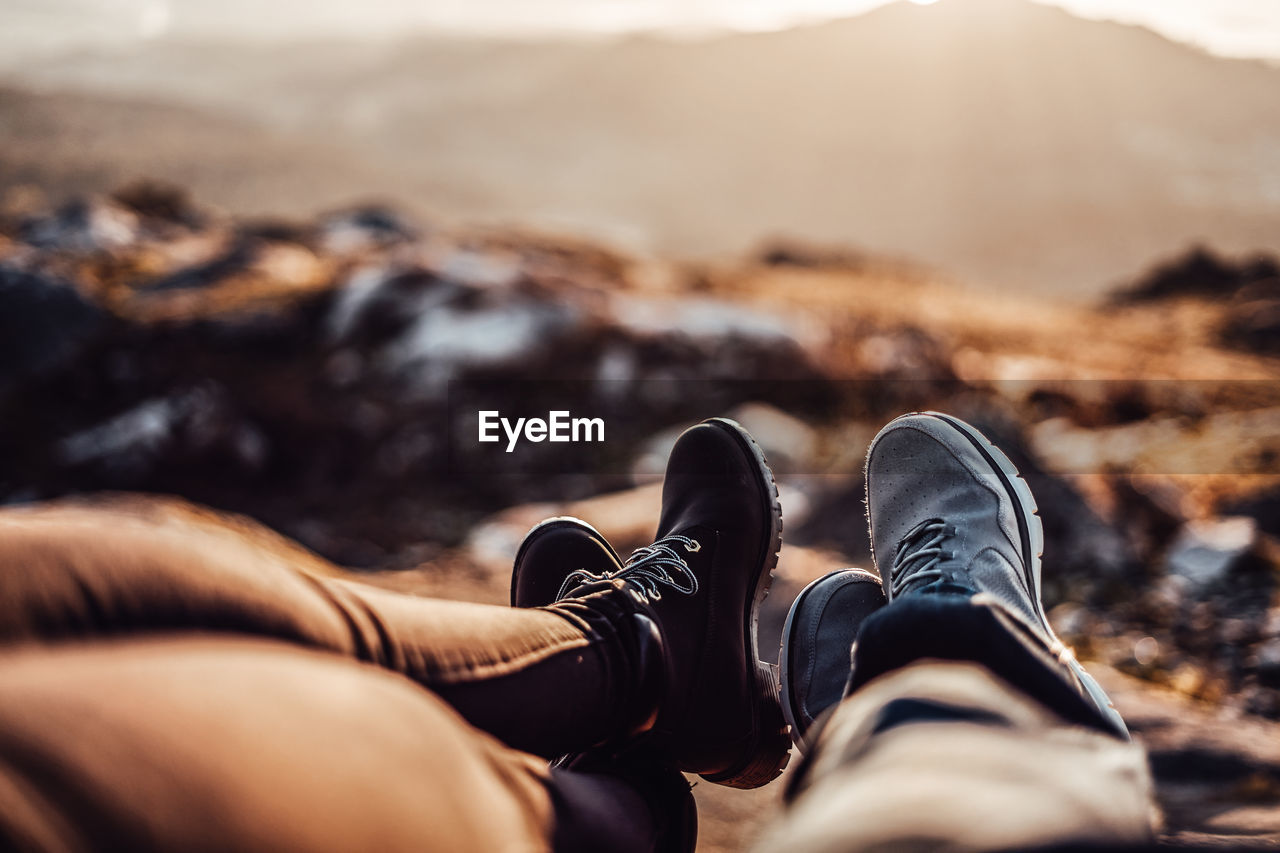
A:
{"points": [[976, 628], [942, 755], [222, 743], [550, 680]]}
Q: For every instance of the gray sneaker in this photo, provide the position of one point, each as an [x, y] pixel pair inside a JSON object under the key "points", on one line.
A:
{"points": [[948, 512], [816, 642]]}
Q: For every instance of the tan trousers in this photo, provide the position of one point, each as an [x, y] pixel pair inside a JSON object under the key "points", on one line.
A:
{"points": [[170, 680], [942, 756]]}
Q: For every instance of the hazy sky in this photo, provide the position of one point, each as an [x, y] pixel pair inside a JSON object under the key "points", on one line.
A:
{"points": [[1231, 27]]}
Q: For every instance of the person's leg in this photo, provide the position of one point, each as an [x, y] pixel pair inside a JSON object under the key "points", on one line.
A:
{"points": [[977, 629], [667, 645], [945, 756], [966, 725], [222, 743], [935, 747], [70, 572]]}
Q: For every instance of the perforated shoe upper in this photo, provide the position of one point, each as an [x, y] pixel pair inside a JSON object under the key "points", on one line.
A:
{"points": [[942, 516]]}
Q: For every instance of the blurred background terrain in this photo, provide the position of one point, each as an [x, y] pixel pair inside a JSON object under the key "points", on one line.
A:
{"points": [[255, 265], [1008, 143]]}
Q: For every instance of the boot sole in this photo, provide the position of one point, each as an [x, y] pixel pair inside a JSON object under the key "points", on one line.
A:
{"points": [[1031, 531], [770, 748]]}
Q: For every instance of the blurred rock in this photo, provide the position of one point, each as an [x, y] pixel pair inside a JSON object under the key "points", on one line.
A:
{"points": [[1225, 442], [481, 269], [233, 260], [248, 272], [1251, 285], [837, 519], [1254, 326], [361, 229], [44, 324], [789, 443], [794, 253], [84, 225], [1263, 507], [1147, 511], [197, 422], [651, 460], [463, 334], [1200, 272], [492, 544], [160, 201], [426, 330], [627, 519], [1167, 597], [704, 321], [130, 441], [376, 301], [1206, 552], [1268, 663], [906, 354]]}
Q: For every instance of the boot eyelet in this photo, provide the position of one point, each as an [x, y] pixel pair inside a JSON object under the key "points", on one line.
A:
{"points": [[694, 547]]}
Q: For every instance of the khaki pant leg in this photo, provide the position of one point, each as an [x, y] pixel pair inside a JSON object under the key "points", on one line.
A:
{"points": [[216, 744], [1003, 773]]}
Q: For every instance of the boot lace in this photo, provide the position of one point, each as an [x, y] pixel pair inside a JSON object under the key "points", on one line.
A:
{"points": [[647, 570], [919, 554]]}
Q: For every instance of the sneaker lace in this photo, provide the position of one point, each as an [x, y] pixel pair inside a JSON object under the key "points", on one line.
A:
{"points": [[647, 570], [919, 554]]}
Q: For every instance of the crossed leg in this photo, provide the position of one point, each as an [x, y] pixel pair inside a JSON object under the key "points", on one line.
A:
{"points": [[173, 680]]}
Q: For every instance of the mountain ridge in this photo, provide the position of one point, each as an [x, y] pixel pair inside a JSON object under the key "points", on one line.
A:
{"points": [[1018, 146]]}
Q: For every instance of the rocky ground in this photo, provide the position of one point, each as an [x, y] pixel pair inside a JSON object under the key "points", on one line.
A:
{"points": [[323, 377]]}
